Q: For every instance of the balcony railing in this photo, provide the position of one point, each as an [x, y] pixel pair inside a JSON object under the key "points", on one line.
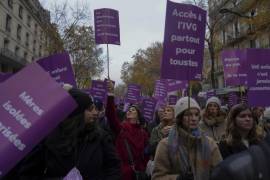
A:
{"points": [[12, 56]]}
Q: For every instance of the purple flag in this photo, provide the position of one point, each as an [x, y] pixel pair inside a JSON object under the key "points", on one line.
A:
{"points": [[183, 42], [174, 85], [5, 76], [99, 90], [29, 111], [59, 67], [148, 108], [107, 29], [133, 94], [232, 99], [160, 92], [172, 99], [258, 77], [235, 67]]}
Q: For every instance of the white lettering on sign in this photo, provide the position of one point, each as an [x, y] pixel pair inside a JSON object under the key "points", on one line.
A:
{"points": [[29, 101], [189, 63], [187, 26]]}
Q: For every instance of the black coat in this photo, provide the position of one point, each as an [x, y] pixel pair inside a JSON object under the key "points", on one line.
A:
{"points": [[94, 156], [227, 150], [252, 164]]}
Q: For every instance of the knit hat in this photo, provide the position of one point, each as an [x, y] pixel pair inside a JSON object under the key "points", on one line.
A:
{"points": [[82, 99], [182, 105], [213, 100]]}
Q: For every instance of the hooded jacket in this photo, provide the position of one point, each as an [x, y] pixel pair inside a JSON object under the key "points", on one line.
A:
{"points": [[136, 137]]}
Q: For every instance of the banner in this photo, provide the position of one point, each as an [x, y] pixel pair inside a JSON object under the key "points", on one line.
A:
{"points": [[175, 85], [210, 93], [107, 29], [148, 108], [172, 99], [32, 104], [235, 67], [183, 45], [99, 90], [133, 95], [258, 70], [5, 76], [160, 92], [59, 67]]}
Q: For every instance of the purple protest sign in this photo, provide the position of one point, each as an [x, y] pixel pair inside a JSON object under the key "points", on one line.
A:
{"points": [[148, 108], [99, 90], [210, 93], [232, 99], [258, 70], [175, 85], [172, 99], [59, 67], [133, 94], [183, 42], [107, 29], [29, 111], [160, 92], [4, 76], [235, 64]]}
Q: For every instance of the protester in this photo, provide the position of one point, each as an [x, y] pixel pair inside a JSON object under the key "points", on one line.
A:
{"points": [[213, 119], [187, 153], [240, 131], [162, 130], [131, 138], [265, 123], [76, 142], [257, 113], [251, 164]]}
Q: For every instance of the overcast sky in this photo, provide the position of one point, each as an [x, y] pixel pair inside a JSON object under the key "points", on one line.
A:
{"points": [[141, 23]]}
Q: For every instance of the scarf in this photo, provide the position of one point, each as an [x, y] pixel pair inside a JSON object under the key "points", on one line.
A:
{"points": [[189, 152]]}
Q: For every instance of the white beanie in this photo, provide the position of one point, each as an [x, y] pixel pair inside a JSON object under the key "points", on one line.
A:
{"points": [[182, 105], [213, 100]]}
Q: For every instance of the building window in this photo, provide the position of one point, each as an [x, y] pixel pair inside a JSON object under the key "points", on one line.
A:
{"points": [[8, 23], [25, 55], [21, 12], [252, 43], [10, 3], [17, 49], [35, 29], [19, 31], [6, 43], [223, 36], [27, 39], [29, 21]]}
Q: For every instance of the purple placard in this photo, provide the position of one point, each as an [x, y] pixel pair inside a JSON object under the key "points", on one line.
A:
{"points": [[133, 94], [148, 108], [172, 99], [74, 174], [107, 29], [160, 92], [5, 76], [175, 85], [258, 70], [29, 111], [232, 99], [234, 63], [59, 67], [183, 45], [99, 90], [210, 93]]}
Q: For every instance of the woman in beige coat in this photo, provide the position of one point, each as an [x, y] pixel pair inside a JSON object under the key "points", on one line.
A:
{"points": [[186, 154], [213, 122]]}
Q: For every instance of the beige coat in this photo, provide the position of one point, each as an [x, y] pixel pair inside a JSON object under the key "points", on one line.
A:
{"points": [[214, 127], [166, 170]]}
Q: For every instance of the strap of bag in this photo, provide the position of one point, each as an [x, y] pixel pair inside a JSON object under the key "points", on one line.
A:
{"points": [[130, 157]]}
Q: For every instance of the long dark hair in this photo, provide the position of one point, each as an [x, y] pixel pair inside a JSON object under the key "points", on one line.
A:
{"points": [[232, 132]]}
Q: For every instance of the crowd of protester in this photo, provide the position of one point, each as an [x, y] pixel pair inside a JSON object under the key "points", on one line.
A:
{"points": [[182, 142]]}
